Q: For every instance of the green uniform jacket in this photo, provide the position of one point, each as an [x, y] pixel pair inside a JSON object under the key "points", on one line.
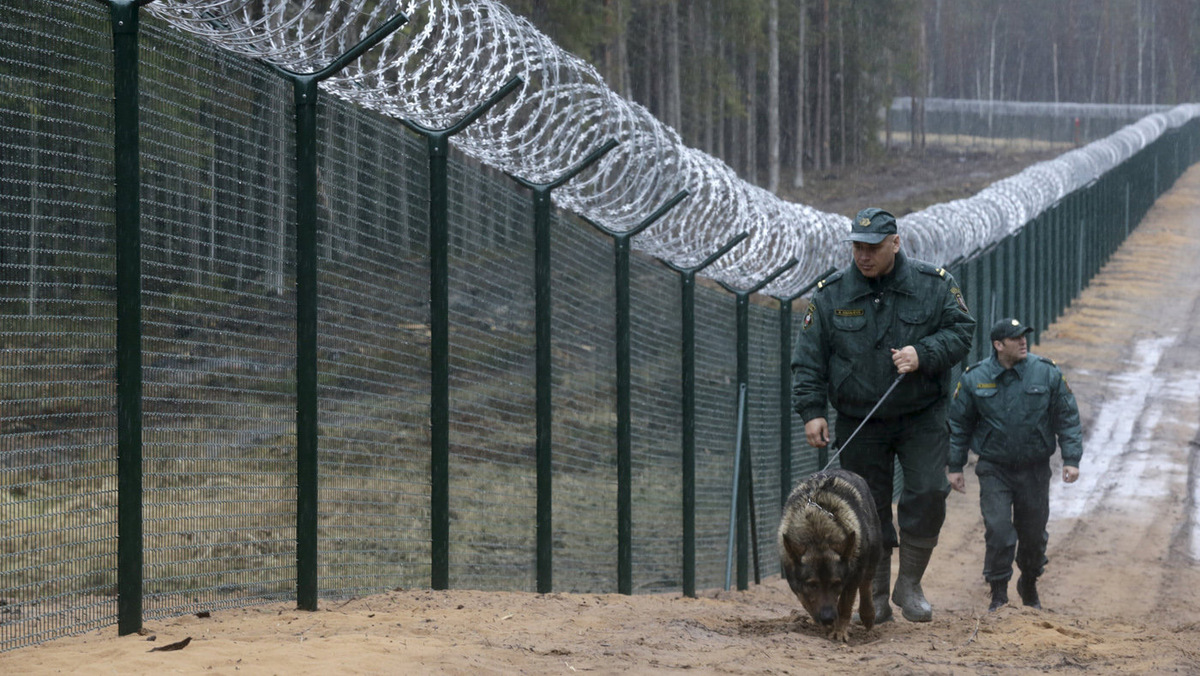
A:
{"points": [[844, 348], [1012, 416]]}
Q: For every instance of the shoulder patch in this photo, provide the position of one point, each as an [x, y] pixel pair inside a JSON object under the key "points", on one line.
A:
{"points": [[1047, 360], [958, 298]]}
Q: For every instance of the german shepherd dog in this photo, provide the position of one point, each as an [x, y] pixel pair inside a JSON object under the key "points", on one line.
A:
{"points": [[829, 547]]}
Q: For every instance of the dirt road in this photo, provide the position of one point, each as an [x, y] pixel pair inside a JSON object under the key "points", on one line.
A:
{"points": [[1121, 593]]}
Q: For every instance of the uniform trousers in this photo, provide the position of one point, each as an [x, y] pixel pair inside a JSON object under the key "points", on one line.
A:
{"points": [[1015, 503], [921, 443]]}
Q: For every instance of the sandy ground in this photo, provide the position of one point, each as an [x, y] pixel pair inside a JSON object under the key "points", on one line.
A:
{"points": [[1121, 593]]}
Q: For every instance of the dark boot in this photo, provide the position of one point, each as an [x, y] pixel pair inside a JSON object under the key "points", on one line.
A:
{"points": [[907, 593], [999, 595], [879, 588], [1027, 588]]}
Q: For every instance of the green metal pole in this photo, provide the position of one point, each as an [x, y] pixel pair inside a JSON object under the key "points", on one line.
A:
{"points": [[1041, 277], [306, 342], [438, 145], [543, 383], [305, 92], [624, 423], [543, 387], [747, 480], [687, 288], [747, 524], [1008, 275], [735, 506], [127, 231], [785, 399], [621, 244], [1024, 275], [1081, 237]]}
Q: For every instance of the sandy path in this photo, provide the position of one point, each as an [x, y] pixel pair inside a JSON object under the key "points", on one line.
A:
{"points": [[1122, 591]]}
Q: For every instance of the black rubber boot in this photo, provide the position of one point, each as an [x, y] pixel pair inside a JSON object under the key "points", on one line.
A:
{"points": [[908, 593], [880, 588], [999, 595], [1027, 588]]}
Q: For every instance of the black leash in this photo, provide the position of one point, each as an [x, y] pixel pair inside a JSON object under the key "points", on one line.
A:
{"points": [[864, 420]]}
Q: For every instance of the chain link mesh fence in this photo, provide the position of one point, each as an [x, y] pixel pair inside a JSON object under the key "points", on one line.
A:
{"points": [[1014, 125]]}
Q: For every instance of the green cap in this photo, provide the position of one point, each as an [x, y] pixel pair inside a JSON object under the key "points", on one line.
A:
{"points": [[872, 226], [1009, 328]]}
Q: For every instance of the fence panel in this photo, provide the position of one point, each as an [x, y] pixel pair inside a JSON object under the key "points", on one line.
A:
{"points": [[218, 322], [764, 431], [373, 354], [493, 492], [716, 429], [57, 323], [657, 391]]}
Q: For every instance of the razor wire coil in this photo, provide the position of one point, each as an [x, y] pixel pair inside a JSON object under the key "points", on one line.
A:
{"points": [[452, 55]]}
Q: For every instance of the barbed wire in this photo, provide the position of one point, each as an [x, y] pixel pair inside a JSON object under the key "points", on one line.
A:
{"points": [[451, 56]]}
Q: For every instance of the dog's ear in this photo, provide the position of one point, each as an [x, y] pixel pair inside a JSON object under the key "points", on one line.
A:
{"points": [[794, 549], [847, 547]]}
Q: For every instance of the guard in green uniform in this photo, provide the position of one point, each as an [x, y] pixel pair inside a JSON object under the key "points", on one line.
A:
{"points": [[884, 316], [1011, 409]]}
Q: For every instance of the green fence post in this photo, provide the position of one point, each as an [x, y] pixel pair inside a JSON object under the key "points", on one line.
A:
{"points": [[128, 248], [1041, 273], [1024, 308], [543, 383], [687, 305], [1008, 271], [438, 145], [1085, 239], [621, 241], [305, 90], [745, 501]]}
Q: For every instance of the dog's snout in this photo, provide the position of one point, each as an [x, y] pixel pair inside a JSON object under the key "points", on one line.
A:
{"points": [[827, 615]]}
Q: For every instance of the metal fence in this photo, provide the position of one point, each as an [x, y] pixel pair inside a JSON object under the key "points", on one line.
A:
{"points": [[206, 405], [1017, 125]]}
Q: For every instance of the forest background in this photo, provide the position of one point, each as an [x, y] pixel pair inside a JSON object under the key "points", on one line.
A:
{"points": [[781, 88]]}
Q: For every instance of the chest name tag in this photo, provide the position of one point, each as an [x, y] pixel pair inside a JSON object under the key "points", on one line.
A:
{"points": [[985, 386], [849, 313]]}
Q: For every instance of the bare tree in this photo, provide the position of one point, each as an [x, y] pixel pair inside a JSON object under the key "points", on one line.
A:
{"points": [[1141, 47], [841, 78], [751, 115], [917, 127], [824, 160], [773, 96], [673, 104], [1055, 70], [801, 99], [992, 68]]}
